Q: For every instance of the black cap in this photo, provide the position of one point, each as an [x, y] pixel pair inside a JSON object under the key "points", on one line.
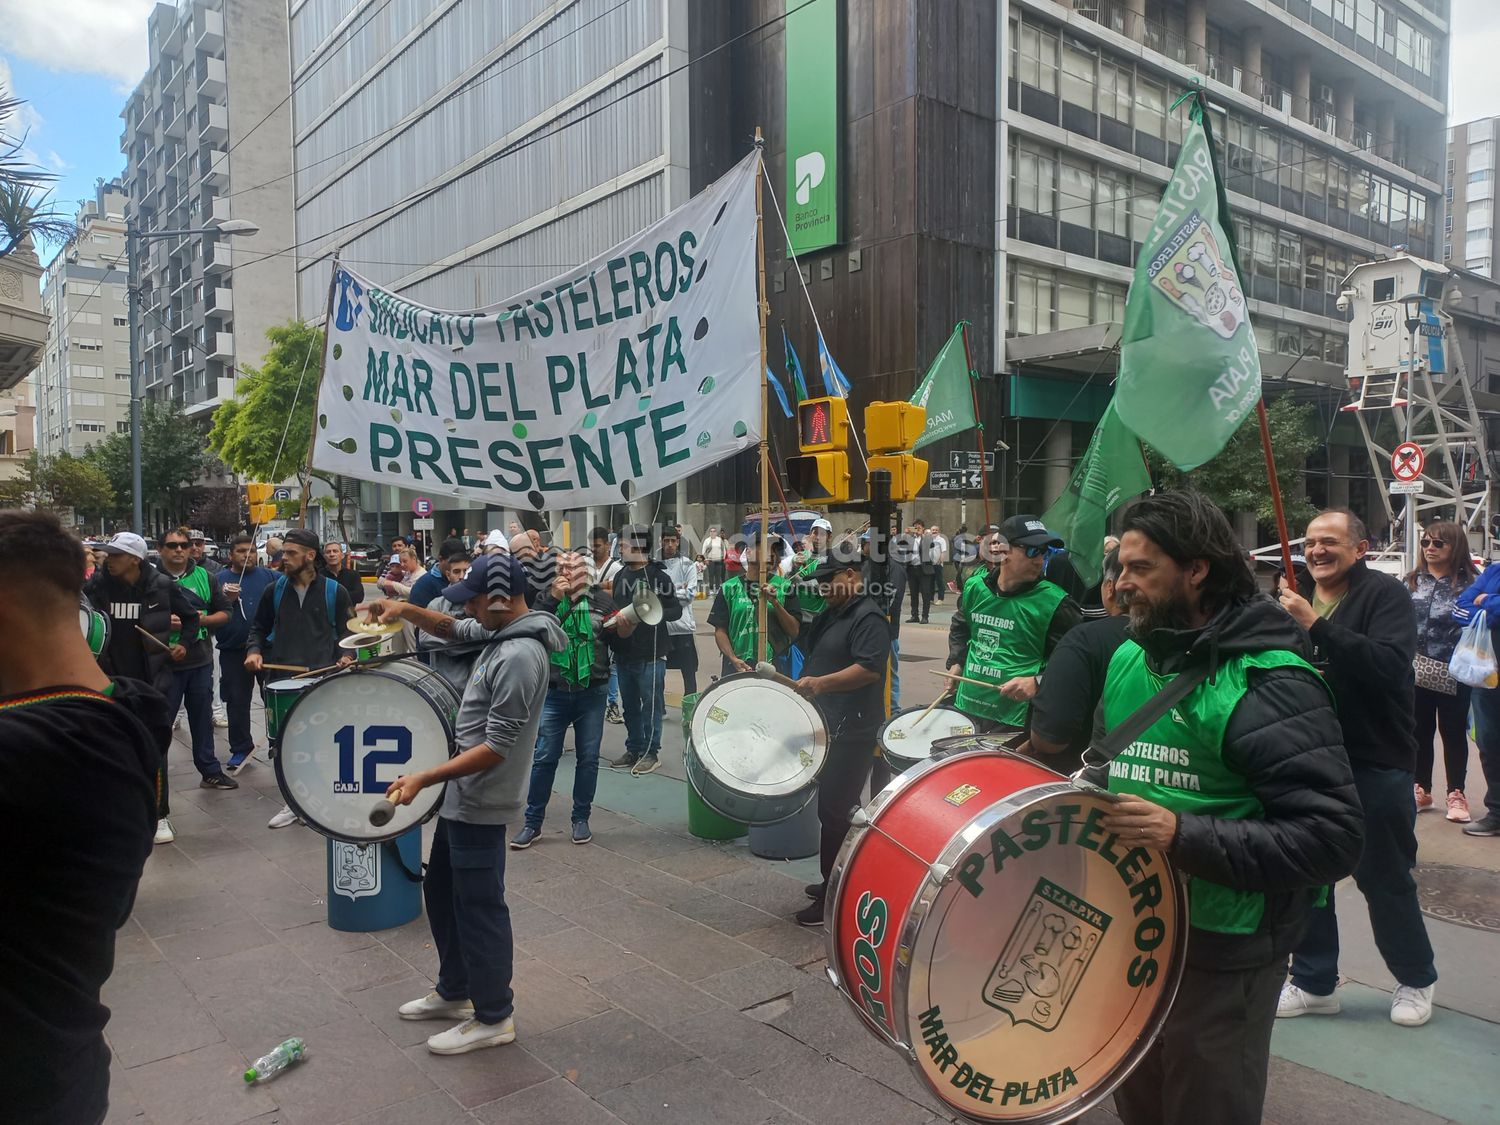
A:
{"points": [[302, 537], [1028, 531]]}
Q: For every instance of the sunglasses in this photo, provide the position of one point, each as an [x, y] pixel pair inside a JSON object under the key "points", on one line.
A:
{"points": [[1034, 552], [174, 546], [1434, 543]]}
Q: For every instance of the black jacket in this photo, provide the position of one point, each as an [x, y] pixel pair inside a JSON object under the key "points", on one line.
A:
{"points": [[148, 604], [1284, 739], [646, 642], [1364, 650], [601, 605]]}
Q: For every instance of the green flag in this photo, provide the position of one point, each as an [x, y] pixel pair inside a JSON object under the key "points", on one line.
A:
{"points": [[1189, 368], [945, 393], [1113, 470]]}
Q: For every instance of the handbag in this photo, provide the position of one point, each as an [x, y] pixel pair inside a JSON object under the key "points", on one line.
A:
{"points": [[1433, 675]]}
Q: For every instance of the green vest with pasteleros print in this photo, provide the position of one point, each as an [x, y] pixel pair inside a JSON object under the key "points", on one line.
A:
{"points": [[812, 602], [198, 582], [742, 616], [1178, 763], [1007, 637]]}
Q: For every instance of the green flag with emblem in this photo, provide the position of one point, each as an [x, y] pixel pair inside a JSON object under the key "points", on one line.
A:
{"points": [[945, 394], [1113, 470], [1189, 368]]}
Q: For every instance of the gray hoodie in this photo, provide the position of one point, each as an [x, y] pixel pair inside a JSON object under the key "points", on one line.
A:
{"points": [[502, 708]]}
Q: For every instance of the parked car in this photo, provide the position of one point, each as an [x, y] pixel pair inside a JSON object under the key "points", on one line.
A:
{"points": [[367, 559]]}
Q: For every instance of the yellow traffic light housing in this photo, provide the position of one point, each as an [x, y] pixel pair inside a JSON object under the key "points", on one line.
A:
{"points": [[893, 427], [258, 493], [820, 478], [908, 474], [262, 513], [822, 424]]}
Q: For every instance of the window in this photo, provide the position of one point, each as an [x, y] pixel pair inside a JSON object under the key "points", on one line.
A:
{"points": [[85, 371], [122, 322], [1109, 303], [1116, 90], [1075, 193], [1338, 184], [122, 427], [1263, 251], [1036, 56], [1036, 180], [1150, 107], [1078, 79], [122, 374], [1482, 155], [89, 398], [1313, 266], [1479, 215], [1032, 301], [1112, 213], [89, 427], [85, 318], [1481, 175], [1143, 209], [1074, 301], [88, 344], [1315, 178]]}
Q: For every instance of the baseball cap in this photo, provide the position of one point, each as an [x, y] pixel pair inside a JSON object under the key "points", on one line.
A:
{"points": [[500, 576], [126, 543], [821, 523], [303, 538], [1028, 531], [826, 569]]}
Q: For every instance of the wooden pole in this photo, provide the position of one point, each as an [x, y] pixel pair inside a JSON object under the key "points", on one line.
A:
{"points": [[984, 473], [763, 548], [1265, 444]]}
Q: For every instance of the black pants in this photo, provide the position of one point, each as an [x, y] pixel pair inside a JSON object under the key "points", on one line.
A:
{"points": [[850, 757], [1209, 1062], [236, 688], [465, 895], [919, 589], [683, 655], [1447, 716]]}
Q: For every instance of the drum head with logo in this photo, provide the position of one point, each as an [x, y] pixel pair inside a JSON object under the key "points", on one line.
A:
{"points": [[352, 734], [95, 626], [908, 736], [757, 737]]}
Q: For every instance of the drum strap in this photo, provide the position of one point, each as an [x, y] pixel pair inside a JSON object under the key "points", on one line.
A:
{"points": [[393, 853], [1106, 748]]}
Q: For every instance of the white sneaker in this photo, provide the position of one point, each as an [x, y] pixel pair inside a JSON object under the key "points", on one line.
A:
{"points": [[471, 1035], [164, 833], [1411, 1007], [1297, 1002], [434, 1007], [177, 721], [283, 819], [221, 716]]}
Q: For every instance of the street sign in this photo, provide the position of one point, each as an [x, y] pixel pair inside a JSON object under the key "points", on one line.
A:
{"points": [[421, 506], [421, 525], [954, 480], [1407, 461], [1407, 487], [968, 459], [282, 493]]}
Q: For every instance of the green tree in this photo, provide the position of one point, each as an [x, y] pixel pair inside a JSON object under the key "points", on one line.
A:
{"points": [[1236, 478], [63, 482], [263, 432], [172, 458], [26, 214]]}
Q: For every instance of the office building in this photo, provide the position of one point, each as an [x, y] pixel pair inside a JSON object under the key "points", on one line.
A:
{"points": [[205, 140], [82, 385], [1469, 235], [17, 423]]}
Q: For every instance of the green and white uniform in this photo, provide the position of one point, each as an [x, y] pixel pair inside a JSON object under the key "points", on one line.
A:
{"points": [[1007, 638], [742, 616]]}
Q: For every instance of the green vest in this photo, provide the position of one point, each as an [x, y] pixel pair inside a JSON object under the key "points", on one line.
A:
{"points": [[812, 602], [742, 616], [1007, 636], [198, 581], [1178, 763]]}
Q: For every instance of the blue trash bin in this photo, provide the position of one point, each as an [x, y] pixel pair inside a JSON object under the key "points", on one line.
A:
{"points": [[375, 886]]}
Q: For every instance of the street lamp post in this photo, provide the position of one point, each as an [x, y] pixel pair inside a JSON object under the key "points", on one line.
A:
{"points": [[133, 241], [1411, 304]]}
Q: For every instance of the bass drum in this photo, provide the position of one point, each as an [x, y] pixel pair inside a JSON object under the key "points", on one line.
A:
{"points": [[96, 626], [907, 737], [756, 750], [984, 924], [351, 734]]}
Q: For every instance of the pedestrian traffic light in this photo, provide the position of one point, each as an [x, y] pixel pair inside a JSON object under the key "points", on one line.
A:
{"points": [[262, 513], [822, 423], [820, 478], [891, 429], [258, 493]]}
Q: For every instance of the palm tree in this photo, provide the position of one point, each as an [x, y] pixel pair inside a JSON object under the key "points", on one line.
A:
{"points": [[26, 213]]}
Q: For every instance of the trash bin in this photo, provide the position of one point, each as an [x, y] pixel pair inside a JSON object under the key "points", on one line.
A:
{"points": [[375, 886], [796, 837], [704, 822]]}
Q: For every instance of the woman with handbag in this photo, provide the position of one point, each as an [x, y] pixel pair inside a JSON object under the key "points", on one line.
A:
{"points": [[1445, 568]]}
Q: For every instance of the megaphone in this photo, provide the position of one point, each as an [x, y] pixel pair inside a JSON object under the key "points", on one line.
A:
{"points": [[644, 609]]}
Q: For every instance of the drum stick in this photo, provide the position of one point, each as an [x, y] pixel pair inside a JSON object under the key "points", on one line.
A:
{"points": [[941, 696], [154, 639], [767, 671], [314, 671], [961, 679], [382, 813], [285, 667]]}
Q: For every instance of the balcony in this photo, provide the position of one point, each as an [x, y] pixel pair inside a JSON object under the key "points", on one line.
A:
{"points": [[216, 123], [218, 260], [219, 212], [222, 347], [210, 27], [212, 79], [220, 302], [215, 167]]}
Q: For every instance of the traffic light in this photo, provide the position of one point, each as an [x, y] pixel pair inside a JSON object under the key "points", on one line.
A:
{"points": [[892, 428], [262, 510], [821, 474], [258, 493], [262, 513], [822, 423]]}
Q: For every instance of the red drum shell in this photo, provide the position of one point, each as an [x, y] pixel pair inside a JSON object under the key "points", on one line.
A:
{"points": [[1012, 1006]]}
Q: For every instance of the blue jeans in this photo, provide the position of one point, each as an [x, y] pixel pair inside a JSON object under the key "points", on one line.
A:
{"points": [[641, 688], [465, 895], [614, 682], [895, 674], [1487, 734], [195, 687], [1384, 878], [584, 712], [236, 688]]}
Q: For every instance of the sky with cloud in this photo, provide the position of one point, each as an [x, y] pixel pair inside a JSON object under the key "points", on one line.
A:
{"points": [[75, 61]]}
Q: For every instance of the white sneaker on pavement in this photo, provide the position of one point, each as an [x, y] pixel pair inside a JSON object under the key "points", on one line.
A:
{"points": [[164, 833], [221, 716], [1411, 1007], [1297, 1002], [285, 818], [471, 1035], [434, 1007]]}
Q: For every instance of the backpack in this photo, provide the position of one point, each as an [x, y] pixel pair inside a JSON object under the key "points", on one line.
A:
{"points": [[330, 595]]}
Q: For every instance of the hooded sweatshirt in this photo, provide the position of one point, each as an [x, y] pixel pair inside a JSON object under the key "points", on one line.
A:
{"points": [[502, 708]]}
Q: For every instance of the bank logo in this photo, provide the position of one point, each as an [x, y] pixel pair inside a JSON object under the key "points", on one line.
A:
{"points": [[1046, 956], [810, 169], [1192, 271], [356, 869]]}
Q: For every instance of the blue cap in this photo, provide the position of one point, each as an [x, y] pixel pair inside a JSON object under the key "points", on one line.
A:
{"points": [[499, 576]]}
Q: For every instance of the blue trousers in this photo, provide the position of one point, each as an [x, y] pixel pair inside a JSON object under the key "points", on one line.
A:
{"points": [[195, 687], [465, 895], [1487, 734], [1384, 878], [584, 712], [641, 688]]}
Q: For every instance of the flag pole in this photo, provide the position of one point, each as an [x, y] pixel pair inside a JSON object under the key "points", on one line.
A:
{"points": [[333, 278], [984, 473], [763, 548], [1281, 530]]}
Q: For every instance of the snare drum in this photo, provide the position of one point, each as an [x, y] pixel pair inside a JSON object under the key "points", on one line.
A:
{"points": [[756, 750], [985, 925], [356, 731], [280, 696], [907, 737], [95, 626]]}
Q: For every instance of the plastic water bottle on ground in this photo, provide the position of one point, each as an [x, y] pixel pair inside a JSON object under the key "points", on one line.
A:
{"points": [[269, 1066]]}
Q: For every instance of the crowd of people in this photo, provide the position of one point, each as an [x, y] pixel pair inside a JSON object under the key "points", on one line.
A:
{"points": [[1301, 732]]}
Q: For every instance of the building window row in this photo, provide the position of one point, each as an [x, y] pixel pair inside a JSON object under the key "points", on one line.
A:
{"points": [[1041, 299]]}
